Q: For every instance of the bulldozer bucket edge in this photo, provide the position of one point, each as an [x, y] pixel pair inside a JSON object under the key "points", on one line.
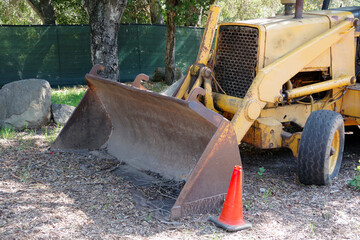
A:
{"points": [[181, 140]]}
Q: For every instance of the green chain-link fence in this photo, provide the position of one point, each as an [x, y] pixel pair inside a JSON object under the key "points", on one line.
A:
{"points": [[61, 54]]}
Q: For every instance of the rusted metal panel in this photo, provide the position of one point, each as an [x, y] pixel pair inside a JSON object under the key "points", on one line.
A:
{"points": [[89, 127], [178, 139], [151, 131], [139, 78], [210, 175], [265, 133]]}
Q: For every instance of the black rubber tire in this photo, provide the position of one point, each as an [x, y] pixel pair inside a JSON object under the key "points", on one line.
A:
{"points": [[313, 165]]}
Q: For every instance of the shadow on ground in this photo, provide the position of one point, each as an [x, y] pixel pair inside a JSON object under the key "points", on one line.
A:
{"points": [[65, 195]]}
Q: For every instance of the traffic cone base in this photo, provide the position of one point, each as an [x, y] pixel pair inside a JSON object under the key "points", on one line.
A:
{"points": [[230, 228], [231, 217]]}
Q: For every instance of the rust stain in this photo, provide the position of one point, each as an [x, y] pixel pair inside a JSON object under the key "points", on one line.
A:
{"points": [[138, 79], [205, 48]]}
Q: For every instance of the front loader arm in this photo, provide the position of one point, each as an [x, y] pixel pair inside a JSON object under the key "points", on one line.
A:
{"points": [[203, 54], [267, 85]]}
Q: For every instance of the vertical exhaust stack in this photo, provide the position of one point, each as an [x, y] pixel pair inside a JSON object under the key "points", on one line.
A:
{"points": [[325, 5], [299, 8]]}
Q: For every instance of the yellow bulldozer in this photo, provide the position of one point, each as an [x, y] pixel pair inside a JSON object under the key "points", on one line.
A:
{"points": [[278, 82]]}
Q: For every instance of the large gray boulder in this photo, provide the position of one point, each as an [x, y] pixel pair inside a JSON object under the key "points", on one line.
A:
{"points": [[25, 103], [61, 113]]}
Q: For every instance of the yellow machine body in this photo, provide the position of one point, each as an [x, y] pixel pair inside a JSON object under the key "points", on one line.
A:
{"points": [[291, 53], [261, 84]]}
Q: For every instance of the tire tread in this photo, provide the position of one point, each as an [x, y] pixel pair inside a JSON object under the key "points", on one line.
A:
{"points": [[314, 145]]}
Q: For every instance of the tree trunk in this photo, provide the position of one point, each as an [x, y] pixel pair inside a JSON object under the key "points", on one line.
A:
{"points": [[104, 17], [45, 10], [170, 43], [155, 12]]}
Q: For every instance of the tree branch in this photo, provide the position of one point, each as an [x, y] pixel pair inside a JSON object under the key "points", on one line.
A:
{"points": [[35, 6], [45, 10]]}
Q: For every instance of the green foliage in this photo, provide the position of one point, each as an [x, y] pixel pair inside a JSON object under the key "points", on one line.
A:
{"points": [[155, 87], [188, 12], [261, 171], [268, 192], [312, 5], [148, 218], [136, 11], [107, 204], [70, 12], [25, 144], [68, 96], [249, 203], [25, 174], [7, 133], [17, 13], [51, 135], [192, 12], [312, 228], [237, 10], [343, 3], [356, 181]]}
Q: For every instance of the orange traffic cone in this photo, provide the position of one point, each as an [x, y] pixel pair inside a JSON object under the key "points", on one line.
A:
{"points": [[231, 217]]}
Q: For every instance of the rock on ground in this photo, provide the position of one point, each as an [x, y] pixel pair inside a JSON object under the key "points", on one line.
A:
{"points": [[25, 103], [61, 112]]}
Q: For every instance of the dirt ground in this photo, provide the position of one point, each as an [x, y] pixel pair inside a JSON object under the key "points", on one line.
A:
{"points": [[46, 195]]}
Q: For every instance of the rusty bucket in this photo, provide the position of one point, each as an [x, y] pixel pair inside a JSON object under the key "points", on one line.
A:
{"points": [[180, 140]]}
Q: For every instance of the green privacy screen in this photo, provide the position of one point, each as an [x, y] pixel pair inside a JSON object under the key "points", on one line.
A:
{"points": [[61, 54]]}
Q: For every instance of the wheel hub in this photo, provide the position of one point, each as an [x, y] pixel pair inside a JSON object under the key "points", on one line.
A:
{"points": [[334, 151]]}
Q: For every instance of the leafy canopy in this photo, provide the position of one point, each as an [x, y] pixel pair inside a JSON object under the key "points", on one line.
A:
{"points": [[188, 12]]}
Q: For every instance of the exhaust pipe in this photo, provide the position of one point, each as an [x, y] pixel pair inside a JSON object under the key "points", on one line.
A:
{"points": [[299, 8]]}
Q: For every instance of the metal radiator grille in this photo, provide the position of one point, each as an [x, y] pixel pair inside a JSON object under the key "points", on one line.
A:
{"points": [[236, 58]]}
